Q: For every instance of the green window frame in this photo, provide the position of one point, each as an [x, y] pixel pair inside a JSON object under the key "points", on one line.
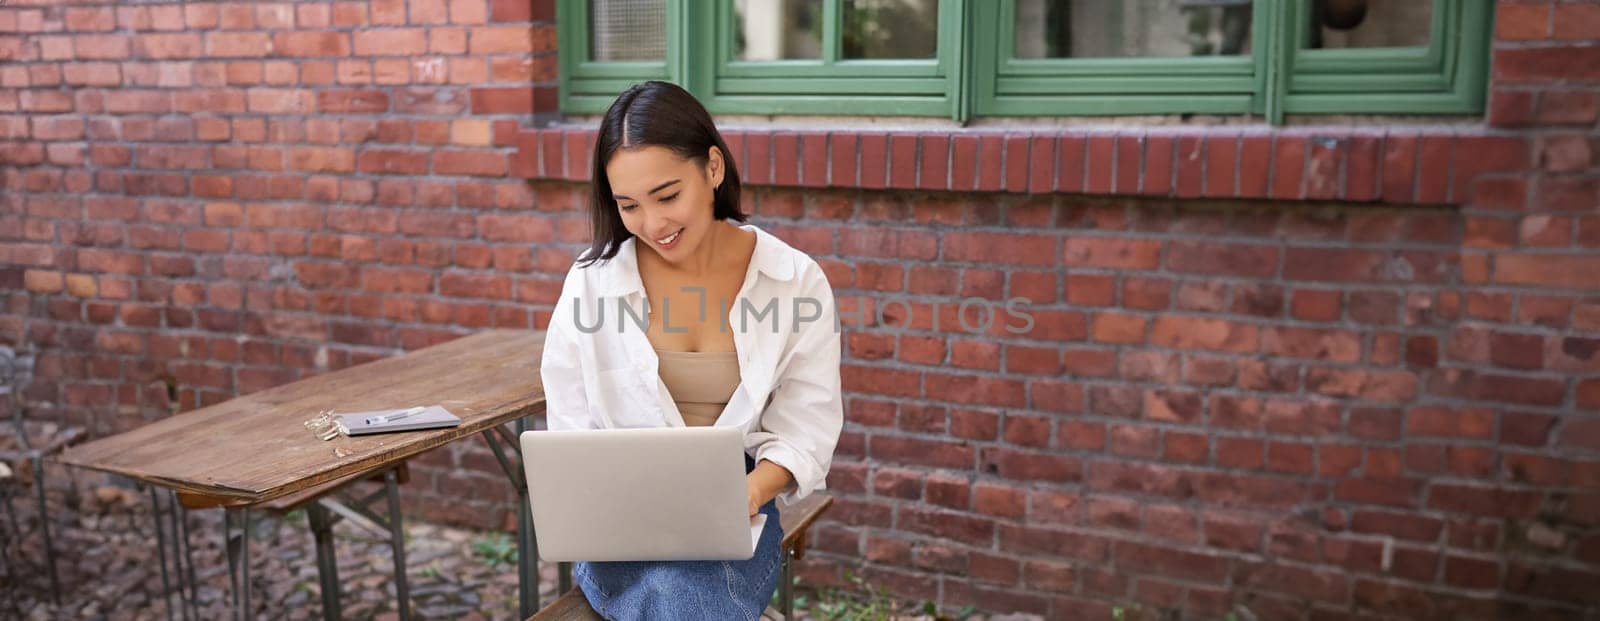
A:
{"points": [[974, 72]]}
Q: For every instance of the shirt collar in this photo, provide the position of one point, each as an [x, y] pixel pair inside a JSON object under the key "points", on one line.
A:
{"points": [[620, 274]]}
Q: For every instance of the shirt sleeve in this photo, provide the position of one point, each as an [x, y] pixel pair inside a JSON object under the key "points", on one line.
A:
{"points": [[561, 370], [801, 423]]}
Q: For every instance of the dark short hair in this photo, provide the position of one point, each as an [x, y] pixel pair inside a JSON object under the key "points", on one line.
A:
{"points": [[661, 114]]}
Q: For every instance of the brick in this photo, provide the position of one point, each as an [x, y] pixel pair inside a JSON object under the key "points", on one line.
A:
{"points": [[874, 155], [1324, 167], [991, 163], [1191, 166], [902, 161], [1128, 170], [1089, 289], [1485, 501], [1026, 466], [814, 159], [1015, 249], [165, 46], [1450, 422], [1041, 164], [1219, 258], [1473, 156], [1222, 165], [1543, 64], [1294, 342], [1555, 107], [513, 10], [964, 162], [1253, 165], [999, 500], [1576, 21], [1578, 272], [1169, 562], [1515, 22], [933, 165], [917, 452], [1565, 153], [1100, 154], [516, 100], [1289, 156], [1119, 328], [1016, 163], [1071, 168], [311, 44], [1158, 165], [842, 166], [1400, 165], [1567, 193], [240, 45], [975, 390], [1203, 333], [42, 281], [1111, 253], [352, 101], [786, 159]]}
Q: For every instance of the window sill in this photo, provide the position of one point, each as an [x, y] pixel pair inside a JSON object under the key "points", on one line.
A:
{"points": [[1394, 164]]}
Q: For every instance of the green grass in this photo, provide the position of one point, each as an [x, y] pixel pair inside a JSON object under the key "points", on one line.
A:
{"points": [[863, 601], [495, 549]]}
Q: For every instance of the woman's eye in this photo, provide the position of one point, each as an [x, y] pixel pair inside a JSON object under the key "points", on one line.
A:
{"points": [[668, 199], [626, 207]]}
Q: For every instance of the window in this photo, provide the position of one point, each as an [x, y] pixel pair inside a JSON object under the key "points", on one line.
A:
{"points": [[966, 58]]}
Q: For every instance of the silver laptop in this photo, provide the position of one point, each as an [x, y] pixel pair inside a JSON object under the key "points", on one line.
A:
{"points": [[662, 494]]}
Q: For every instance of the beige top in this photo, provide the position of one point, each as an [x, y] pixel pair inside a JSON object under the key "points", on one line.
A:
{"points": [[701, 382]]}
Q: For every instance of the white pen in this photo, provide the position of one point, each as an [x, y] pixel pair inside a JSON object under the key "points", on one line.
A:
{"points": [[376, 420]]}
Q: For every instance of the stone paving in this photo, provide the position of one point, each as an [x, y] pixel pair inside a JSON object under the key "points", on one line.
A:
{"points": [[110, 567]]}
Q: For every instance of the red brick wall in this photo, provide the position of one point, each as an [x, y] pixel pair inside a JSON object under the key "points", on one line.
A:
{"points": [[237, 195], [1313, 372]]}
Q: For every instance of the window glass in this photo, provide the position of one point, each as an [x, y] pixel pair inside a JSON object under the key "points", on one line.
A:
{"points": [[889, 29], [1339, 24], [627, 30], [777, 29], [1131, 28]]}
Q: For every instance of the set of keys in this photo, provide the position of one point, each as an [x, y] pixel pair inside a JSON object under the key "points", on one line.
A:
{"points": [[326, 426]]}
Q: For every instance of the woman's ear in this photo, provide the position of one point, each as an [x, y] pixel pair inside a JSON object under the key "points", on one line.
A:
{"points": [[714, 166]]}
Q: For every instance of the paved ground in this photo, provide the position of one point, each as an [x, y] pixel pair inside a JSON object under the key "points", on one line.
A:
{"points": [[110, 569], [109, 565]]}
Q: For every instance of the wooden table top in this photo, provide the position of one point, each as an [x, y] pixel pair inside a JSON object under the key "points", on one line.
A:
{"points": [[256, 448]]}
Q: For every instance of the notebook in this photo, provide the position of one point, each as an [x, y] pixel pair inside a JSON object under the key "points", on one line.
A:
{"points": [[431, 417]]}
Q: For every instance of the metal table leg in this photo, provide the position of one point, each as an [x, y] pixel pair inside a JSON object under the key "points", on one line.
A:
{"points": [[238, 559], [10, 532], [186, 557], [327, 564], [402, 591], [165, 508], [527, 545], [44, 527], [161, 549], [393, 522]]}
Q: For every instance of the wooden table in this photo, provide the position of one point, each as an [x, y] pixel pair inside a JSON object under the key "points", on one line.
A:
{"points": [[255, 448]]}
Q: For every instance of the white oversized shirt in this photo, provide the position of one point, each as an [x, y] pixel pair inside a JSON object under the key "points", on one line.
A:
{"points": [[599, 369]]}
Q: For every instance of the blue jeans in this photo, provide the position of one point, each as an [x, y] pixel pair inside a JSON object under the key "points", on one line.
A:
{"points": [[629, 590]]}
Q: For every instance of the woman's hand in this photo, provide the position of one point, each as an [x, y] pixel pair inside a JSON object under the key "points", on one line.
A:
{"points": [[764, 483], [755, 497]]}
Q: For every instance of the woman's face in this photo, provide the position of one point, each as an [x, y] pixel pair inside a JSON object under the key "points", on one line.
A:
{"points": [[665, 200]]}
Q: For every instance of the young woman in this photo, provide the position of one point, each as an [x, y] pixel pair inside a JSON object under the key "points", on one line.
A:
{"points": [[678, 315]]}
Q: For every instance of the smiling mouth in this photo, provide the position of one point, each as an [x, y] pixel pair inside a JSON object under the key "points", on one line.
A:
{"points": [[670, 238]]}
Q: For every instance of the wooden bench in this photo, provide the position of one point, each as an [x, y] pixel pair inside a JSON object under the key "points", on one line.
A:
{"points": [[796, 519]]}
